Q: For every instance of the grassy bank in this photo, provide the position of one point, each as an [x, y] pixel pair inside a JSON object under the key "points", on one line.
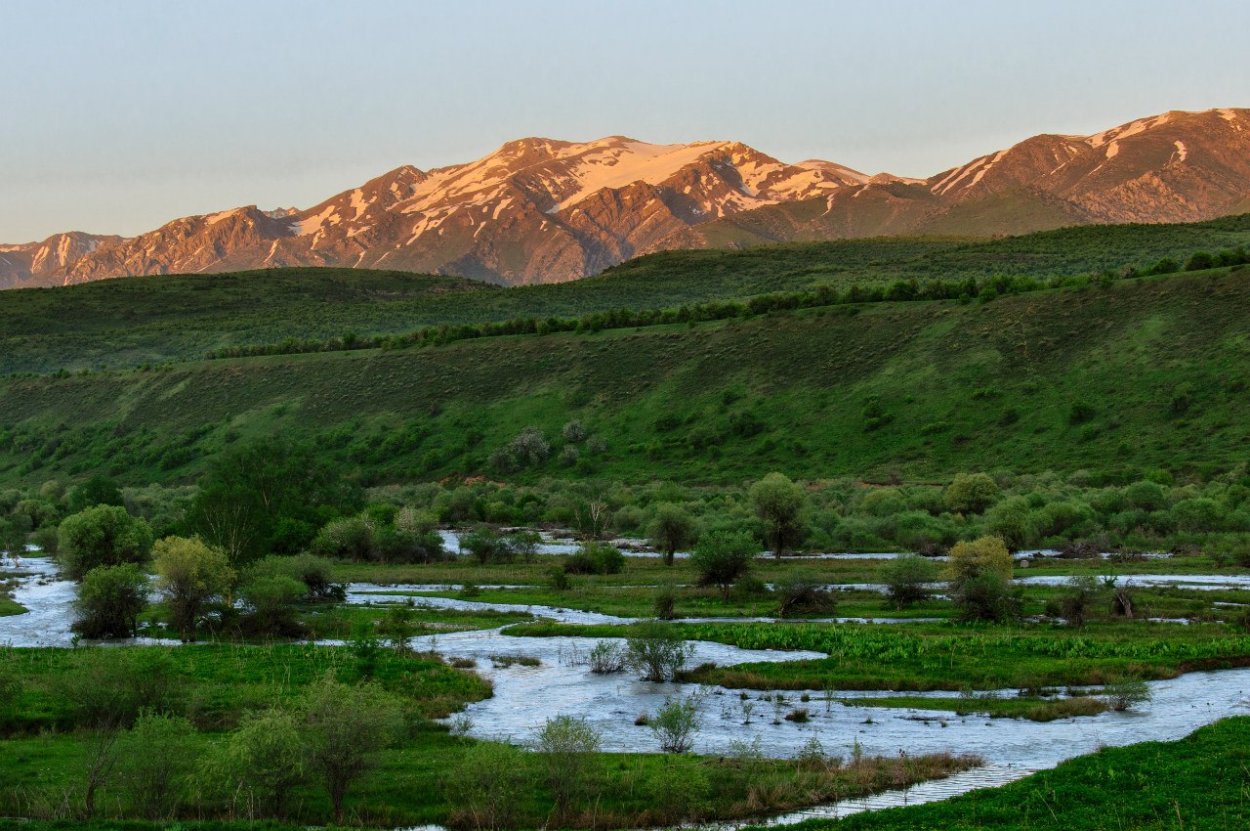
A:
{"points": [[941, 656], [1199, 782]]}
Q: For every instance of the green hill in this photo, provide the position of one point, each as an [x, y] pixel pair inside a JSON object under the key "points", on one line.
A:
{"points": [[152, 320], [1145, 373]]}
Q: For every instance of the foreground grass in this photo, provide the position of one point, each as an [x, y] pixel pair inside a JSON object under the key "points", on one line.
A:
{"points": [[421, 780], [214, 683], [409, 786], [1201, 782]]}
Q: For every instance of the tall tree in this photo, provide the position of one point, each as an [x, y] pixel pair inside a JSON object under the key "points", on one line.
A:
{"points": [[269, 496], [672, 528], [779, 503]]}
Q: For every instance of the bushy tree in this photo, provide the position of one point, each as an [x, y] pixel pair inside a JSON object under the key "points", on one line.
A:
{"points": [[411, 538], [191, 575], [656, 650], [346, 728], [102, 536], [269, 496], [347, 538], [98, 490], [316, 574], [676, 724], [907, 579], [155, 762], [110, 600], [1147, 496], [567, 745], [984, 555], [671, 529], [487, 786], [14, 532], [595, 558], [980, 573], [721, 557], [987, 597], [264, 759], [1012, 521], [778, 502], [971, 493]]}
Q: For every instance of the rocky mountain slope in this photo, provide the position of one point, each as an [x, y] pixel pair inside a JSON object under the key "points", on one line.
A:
{"points": [[543, 211]]}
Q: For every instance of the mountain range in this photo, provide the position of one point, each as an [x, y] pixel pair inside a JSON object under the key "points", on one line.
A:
{"points": [[541, 211]]}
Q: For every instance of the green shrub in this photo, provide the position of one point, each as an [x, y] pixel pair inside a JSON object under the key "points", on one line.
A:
{"points": [[721, 557], [907, 579], [656, 650], [156, 758], [798, 595], [971, 493], [110, 600], [259, 765], [595, 558], [676, 724], [102, 536]]}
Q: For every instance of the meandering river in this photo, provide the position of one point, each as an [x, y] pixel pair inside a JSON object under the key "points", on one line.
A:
{"points": [[562, 684]]}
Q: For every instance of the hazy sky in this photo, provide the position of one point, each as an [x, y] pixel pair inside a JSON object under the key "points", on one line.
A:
{"points": [[121, 114]]}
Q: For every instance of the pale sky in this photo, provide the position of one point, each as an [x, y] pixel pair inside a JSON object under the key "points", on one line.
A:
{"points": [[119, 115]]}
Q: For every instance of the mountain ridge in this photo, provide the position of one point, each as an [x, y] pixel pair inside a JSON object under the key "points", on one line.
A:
{"points": [[541, 210]]}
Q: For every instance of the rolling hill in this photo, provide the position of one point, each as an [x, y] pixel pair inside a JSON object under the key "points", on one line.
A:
{"points": [[128, 323], [1139, 374]]}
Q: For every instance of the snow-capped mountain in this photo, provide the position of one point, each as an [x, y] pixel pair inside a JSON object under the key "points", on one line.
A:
{"points": [[1174, 167], [542, 211]]}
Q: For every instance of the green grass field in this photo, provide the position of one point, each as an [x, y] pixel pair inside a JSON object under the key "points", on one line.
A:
{"points": [[45, 746], [1200, 782], [944, 656]]}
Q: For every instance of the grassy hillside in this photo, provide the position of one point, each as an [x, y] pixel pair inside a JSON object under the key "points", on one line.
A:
{"points": [[1143, 374], [137, 321], [144, 320]]}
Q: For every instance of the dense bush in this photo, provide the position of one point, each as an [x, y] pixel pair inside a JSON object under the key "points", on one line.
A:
{"points": [[110, 600], [907, 579], [657, 651], [596, 558], [799, 595], [721, 557], [191, 577], [971, 493], [102, 536]]}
